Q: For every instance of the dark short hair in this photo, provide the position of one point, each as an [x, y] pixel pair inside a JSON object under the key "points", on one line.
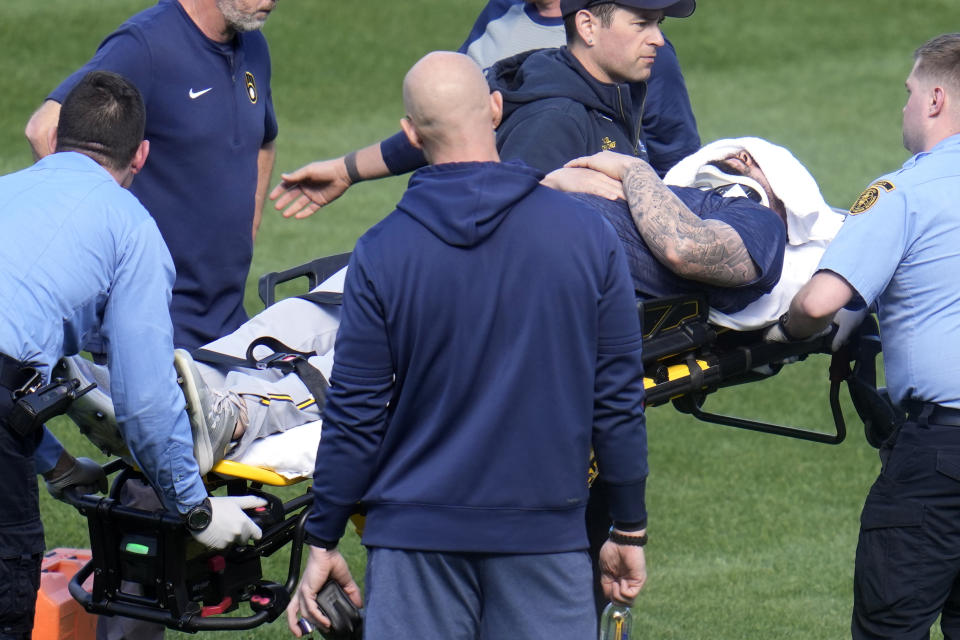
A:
{"points": [[602, 10], [939, 60], [102, 117]]}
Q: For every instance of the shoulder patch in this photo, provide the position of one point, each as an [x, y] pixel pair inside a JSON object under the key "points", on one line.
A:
{"points": [[886, 185], [866, 200]]}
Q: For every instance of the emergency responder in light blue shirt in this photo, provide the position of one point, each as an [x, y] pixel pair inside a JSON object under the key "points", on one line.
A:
{"points": [[84, 267], [908, 558]]}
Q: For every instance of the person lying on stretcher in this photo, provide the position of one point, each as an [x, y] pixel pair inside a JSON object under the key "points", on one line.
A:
{"points": [[726, 235]]}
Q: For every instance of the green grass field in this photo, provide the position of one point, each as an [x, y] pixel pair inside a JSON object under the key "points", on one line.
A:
{"points": [[752, 536]]}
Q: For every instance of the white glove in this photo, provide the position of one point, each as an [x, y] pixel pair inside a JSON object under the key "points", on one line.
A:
{"points": [[228, 522], [847, 321]]}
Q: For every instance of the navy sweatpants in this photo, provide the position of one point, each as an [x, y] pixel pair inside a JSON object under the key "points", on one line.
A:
{"points": [[460, 596]]}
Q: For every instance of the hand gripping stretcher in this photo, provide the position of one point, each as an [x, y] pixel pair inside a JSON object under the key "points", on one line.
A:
{"points": [[146, 566]]}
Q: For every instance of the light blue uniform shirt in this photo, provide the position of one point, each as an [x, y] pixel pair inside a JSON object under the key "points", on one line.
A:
{"points": [[84, 267], [902, 251]]}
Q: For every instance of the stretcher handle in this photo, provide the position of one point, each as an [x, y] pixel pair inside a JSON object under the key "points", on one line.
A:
{"points": [[742, 361], [85, 503], [316, 271], [694, 407]]}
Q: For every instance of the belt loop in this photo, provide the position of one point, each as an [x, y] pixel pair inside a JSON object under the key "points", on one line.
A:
{"points": [[924, 417]]}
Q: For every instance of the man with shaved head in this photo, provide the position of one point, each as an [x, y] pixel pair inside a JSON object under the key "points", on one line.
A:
{"points": [[489, 339]]}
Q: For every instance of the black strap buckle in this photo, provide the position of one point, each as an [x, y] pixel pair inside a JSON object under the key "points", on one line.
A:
{"points": [[285, 362], [288, 361], [283, 357]]}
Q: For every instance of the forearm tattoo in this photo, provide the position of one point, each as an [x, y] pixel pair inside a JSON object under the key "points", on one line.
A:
{"points": [[709, 251]]}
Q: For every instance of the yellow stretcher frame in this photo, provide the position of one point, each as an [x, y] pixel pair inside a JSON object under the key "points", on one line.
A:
{"points": [[259, 475]]}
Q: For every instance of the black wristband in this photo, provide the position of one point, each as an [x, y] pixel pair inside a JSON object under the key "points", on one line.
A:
{"points": [[350, 161], [314, 541], [634, 541]]}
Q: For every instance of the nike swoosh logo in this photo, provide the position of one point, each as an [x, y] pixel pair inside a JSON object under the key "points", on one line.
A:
{"points": [[196, 94]]}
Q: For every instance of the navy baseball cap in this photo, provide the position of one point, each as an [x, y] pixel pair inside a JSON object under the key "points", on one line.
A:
{"points": [[670, 8]]}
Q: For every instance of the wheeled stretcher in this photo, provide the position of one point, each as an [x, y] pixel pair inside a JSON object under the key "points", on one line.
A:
{"points": [[146, 566]]}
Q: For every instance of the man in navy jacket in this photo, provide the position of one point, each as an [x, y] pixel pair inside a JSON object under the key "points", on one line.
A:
{"points": [[560, 104], [489, 339], [506, 28], [591, 95]]}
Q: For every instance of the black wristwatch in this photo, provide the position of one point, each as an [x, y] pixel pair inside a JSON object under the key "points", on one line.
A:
{"points": [[198, 518], [782, 322]]}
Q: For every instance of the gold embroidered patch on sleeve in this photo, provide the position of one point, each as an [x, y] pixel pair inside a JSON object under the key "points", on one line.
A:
{"points": [[866, 200], [886, 185]]}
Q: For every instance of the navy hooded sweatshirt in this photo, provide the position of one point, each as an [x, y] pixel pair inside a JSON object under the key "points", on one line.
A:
{"points": [[554, 111], [489, 338], [661, 106]]}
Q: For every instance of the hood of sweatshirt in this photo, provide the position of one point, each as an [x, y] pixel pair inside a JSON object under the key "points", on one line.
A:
{"points": [[556, 73], [463, 203]]}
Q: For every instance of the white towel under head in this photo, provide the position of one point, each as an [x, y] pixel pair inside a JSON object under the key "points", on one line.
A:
{"points": [[809, 217], [811, 222]]}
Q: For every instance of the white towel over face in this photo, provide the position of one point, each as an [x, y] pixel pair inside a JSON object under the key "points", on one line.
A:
{"points": [[811, 222], [809, 217]]}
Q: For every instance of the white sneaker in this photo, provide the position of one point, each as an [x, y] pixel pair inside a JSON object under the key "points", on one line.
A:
{"points": [[93, 411], [213, 415]]}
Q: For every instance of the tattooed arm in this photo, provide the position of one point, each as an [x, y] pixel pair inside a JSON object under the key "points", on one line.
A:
{"points": [[708, 251]]}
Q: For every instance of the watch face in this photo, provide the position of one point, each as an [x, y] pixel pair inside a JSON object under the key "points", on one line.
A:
{"points": [[198, 518]]}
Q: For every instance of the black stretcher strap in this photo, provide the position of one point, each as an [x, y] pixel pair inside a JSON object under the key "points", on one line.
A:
{"points": [[287, 359], [220, 359], [696, 372], [323, 297], [284, 358], [290, 360]]}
